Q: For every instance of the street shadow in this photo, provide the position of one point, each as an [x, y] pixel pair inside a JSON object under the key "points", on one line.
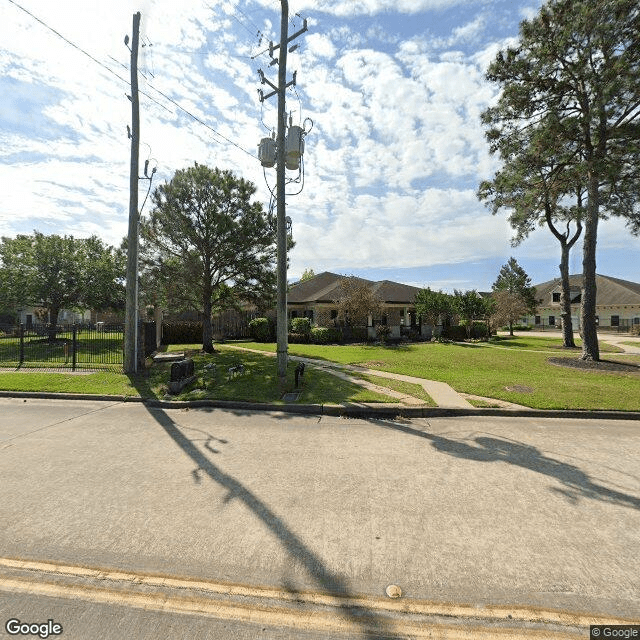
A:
{"points": [[576, 483], [373, 627]]}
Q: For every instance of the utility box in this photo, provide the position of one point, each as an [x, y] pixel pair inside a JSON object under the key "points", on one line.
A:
{"points": [[294, 147], [267, 152]]}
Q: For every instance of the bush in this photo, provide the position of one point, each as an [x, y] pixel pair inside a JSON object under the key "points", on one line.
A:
{"points": [[325, 335], [262, 330], [383, 332], [181, 332], [298, 338], [635, 330], [479, 330], [301, 325], [457, 333]]}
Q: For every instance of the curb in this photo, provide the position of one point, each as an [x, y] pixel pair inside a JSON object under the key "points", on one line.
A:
{"points": [[336, 410]]}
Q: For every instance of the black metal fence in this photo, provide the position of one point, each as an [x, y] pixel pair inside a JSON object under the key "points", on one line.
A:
{"points": [[64, 346]]}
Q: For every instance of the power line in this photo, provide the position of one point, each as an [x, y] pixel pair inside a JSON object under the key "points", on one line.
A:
{"points": [[180, 107]]}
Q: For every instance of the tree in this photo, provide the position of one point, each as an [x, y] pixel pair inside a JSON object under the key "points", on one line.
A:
{"points": [[60, 272], [307, 274], [470, 306], [514, 279], [576, 75], [538, 190], [509, 307], [435, 307], [207, 244], [357, 301]]}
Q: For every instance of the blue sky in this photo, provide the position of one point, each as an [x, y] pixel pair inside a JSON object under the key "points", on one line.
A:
{"points": [[394, 88]]}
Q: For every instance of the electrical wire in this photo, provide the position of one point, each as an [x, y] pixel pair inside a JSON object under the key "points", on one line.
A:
{"points": [[180, 107]]}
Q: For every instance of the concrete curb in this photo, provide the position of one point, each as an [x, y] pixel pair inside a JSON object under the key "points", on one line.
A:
{"points": [[354, 411]]}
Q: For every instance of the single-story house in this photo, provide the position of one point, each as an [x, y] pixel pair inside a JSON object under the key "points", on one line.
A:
{"points": [[315, 299], [617, 303]]}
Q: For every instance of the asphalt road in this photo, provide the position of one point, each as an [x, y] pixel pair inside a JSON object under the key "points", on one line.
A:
{"points": [[293, 526]]}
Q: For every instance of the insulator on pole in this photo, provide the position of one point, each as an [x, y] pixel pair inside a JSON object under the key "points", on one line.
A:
{"points": [[267, 152], [294, 147]]}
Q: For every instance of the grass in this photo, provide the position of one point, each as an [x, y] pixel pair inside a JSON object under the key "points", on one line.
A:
{"points": [[259, 381], [631, 344], [481, 370], [257, 384], [545, 344]]}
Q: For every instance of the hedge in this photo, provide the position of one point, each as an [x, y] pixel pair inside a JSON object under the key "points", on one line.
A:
{"points": [[181, 332]]}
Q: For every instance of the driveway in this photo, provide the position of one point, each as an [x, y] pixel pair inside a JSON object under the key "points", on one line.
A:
{"points": [[477, 520]]}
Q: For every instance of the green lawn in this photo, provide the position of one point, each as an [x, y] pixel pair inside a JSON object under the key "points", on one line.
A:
{"points": [[545, 344], [482, 370], [258, 383]]}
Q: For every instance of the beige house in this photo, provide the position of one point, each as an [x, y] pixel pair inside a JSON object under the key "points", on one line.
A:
{"points": [[314, 299], [617, 303]]}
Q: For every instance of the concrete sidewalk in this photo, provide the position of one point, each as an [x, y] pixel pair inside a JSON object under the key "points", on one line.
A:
{"points": [[442, 394]]}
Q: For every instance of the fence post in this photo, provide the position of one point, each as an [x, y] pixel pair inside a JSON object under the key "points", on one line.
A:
{"points": [[74, 347], [21, 332]]}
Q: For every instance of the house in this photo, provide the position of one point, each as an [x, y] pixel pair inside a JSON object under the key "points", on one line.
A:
{"points": [[315, 299], [30, 316], [617, 303]]}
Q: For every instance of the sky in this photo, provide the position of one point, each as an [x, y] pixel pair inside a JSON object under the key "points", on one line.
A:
{"points": [[390, 92]]}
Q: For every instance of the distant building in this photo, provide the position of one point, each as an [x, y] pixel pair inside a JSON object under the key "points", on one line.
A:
{"points": [[617, 303], [315, 297]]}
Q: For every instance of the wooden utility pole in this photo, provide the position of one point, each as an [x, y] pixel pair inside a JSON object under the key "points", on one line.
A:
{"points": [[281, 233], [282, 320], [131, 313]]}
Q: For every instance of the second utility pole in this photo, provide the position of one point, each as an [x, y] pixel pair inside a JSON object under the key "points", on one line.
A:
{"points": [[281, 318], [131, 310]]}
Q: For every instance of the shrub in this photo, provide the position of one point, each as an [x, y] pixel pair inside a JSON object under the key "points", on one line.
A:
{"points": [[298, 338], [479, 330], [383, 331], [262, 330], [181, 332], [325, 335], [457, 333], [301, 325]]}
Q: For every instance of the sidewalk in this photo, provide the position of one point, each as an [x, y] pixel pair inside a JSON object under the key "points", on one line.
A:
{"points": [[442, 394]]}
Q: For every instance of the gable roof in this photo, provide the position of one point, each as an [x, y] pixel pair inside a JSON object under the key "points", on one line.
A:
{"points": [[609, 291], [325, 288]]}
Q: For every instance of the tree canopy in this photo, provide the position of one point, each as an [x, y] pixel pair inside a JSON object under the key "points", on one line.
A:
{"points": [[206, 244], [61, 272], [357, 301], [572, 86]]}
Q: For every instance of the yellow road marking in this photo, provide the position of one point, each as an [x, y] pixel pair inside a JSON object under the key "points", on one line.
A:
{"points": [[338, 621]]}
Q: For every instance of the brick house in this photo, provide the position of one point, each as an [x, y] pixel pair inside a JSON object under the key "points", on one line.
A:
{"points": [[315, 299], [617, 303]]}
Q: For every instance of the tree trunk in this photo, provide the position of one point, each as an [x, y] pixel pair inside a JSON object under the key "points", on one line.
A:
{"points": [[54, 311], [565, 299], [590, 348], [207, 329], [511, 327]]}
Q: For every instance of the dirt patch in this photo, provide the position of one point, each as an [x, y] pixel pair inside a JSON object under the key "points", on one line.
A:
{"points": [[518, 388], [601, 365]]}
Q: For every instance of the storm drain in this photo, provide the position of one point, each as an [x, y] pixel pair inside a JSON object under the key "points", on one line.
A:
{"points": [[291, 397]]}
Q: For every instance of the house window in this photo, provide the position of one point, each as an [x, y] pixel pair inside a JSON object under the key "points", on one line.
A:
{"points": [[537, 321], [556, 297], [334, 314], [294, 314], [552, 321], [309, 314], [615, 321], [384, 320], [636, 320]]}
